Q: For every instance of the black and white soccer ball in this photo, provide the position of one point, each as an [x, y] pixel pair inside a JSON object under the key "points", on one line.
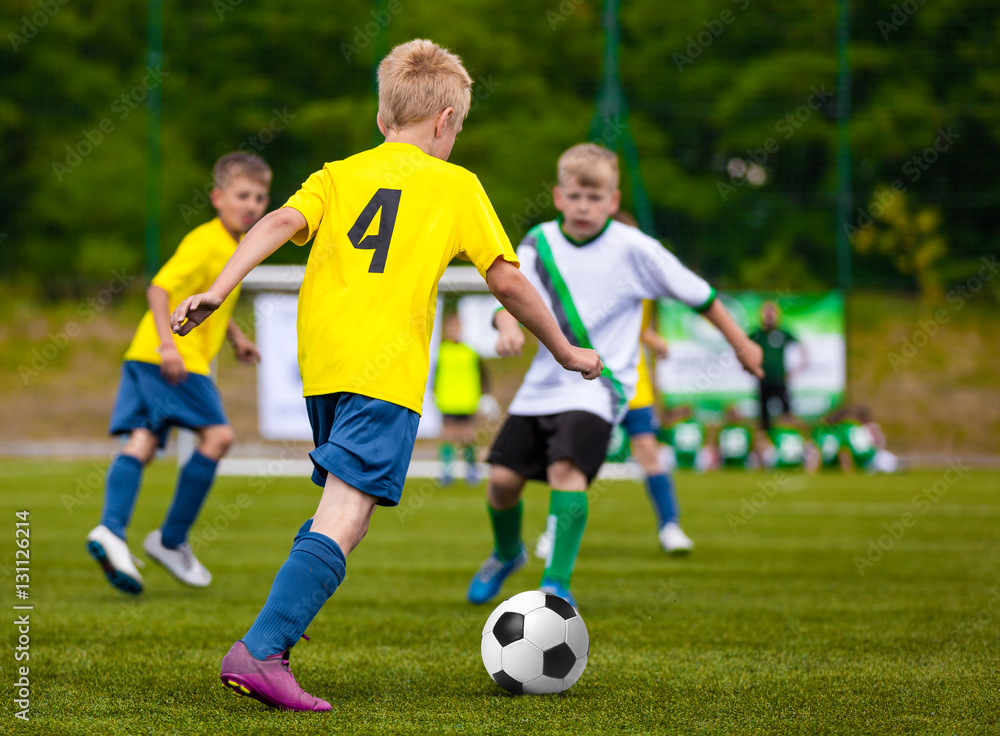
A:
{"points": [[535, 643]]}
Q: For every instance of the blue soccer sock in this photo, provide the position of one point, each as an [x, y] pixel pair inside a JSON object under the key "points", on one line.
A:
{"points": [[121, 488], [193, 485], [661, 493], [306, 526], [310, 575]]}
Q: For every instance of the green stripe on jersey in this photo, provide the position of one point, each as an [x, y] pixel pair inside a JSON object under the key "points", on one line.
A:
{"points": [[572, 315]]}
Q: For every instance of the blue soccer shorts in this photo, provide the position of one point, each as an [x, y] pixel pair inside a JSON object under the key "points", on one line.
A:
{"points": [[146, 400], [365, 442], [642, 420]]}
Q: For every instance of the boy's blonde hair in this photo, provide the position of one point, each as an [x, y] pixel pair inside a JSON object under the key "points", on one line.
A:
{"points": [[589, 165], [236, 164], [418, 79]]}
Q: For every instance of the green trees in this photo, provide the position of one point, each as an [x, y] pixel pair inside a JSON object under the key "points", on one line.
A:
{"points": [[732, 105]]}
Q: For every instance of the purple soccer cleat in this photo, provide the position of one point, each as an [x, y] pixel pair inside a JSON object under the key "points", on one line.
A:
{"points": [[269, 680]]}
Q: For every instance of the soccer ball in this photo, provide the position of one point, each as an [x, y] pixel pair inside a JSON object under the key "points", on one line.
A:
{"points": [[535, 643]]}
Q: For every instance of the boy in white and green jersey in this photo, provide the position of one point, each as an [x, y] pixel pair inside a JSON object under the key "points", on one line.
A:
{"points": [[593, 273]]}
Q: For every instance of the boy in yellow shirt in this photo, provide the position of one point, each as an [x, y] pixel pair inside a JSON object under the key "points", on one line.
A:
{"points": [[386, 223], [165, 383]]}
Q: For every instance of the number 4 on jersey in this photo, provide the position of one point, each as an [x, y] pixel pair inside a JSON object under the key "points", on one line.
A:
{"points": [[386, 200]]}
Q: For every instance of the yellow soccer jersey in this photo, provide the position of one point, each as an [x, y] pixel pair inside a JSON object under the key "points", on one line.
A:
{"points": [[644, 394], [386, 223], [191, 270]]}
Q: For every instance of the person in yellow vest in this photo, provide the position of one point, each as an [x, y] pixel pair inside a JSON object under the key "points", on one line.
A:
{"points": [[459, 383]]}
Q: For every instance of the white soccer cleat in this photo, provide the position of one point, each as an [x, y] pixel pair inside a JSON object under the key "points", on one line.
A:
{"points": [[674, 540], [114, 557], [180, 562]]}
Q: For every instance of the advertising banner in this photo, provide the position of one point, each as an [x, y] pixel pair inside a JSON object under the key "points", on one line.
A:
{"points": [[701, 369]]}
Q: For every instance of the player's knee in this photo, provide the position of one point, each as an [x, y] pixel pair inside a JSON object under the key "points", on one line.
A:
{"points": [[566, 476], [141, 445], [504, 488], [217, 441]]}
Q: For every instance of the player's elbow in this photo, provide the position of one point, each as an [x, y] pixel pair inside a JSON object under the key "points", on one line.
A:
{"points": [[504, 280], [153, 291], [284, 219]]}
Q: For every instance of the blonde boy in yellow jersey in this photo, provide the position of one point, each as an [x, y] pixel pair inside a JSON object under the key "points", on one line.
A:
{"points": [[165, 383], [386, 223]]}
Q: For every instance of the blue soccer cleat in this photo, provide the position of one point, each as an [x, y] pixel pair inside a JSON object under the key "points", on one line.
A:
{"points": [[554, 587], [486, 583]]}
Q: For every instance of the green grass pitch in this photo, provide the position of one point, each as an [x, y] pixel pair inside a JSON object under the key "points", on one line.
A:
{"points": [[770, 627]]}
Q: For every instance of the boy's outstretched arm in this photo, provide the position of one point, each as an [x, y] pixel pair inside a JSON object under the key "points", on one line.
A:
{"points": [[243, 347], [749, 353], [519, 297], [171, 363], [273, 231]]}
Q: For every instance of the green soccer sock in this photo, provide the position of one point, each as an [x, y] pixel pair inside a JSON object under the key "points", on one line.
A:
{"points": [[469, 453], [569, 509], [446, 454], [506, 531]]}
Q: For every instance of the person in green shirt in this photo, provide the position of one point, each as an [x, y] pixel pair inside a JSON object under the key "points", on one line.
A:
{"points": [[734, 440], [788, 443], [684, 435], [459, 383], [773, 387]]}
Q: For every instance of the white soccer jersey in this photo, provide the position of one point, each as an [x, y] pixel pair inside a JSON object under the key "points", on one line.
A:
{"points": [[595, 292]]}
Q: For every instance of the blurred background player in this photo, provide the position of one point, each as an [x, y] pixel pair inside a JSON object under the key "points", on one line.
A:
{"points": [[166, 382], [641, 423], [784, 445], [733, 440], [773, 387], [364, 424], [859, 441], [594, 274], [683, 437], [459, 383]]}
